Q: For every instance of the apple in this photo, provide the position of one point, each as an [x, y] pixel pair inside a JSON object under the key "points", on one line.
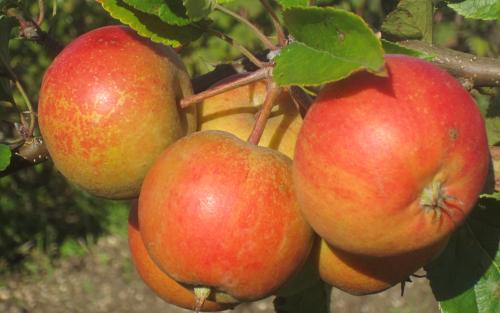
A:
{"points": [[164, 286], [219, 214], [361, 275], [235, 111], [108, 108], [389, 165]]}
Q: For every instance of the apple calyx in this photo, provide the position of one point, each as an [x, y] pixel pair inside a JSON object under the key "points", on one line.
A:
{"points": [[434, 199], [201, 294]]}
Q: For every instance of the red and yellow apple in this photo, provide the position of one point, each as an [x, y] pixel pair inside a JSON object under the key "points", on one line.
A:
{"points": [[235, 111], [109, 106], [362, 275], [390, 165], [219, 213]]}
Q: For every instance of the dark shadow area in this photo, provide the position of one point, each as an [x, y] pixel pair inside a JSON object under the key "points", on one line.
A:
{"points": [[39, 210], [469, 254]]}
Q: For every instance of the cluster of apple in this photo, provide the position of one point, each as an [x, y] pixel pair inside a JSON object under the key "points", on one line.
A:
{"points": [[383, 170]]}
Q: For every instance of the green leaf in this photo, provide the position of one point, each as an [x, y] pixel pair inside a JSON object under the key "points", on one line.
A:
{"points": [[394, 48], [412, 19], [466, 276], [493, 130], [328, 45], [478, 9], [5, 155], [495, 196], [151, 26], [315, 299], [171, 12], [198, 9], [293, 3]]}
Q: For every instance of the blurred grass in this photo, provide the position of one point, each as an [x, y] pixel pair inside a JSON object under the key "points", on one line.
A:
{"points": [[43, 218]]}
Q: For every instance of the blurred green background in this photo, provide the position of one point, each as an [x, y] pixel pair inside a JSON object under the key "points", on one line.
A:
{"points": [[43, 218]]}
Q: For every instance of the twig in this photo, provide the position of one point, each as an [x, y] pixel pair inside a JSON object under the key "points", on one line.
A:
{"points": [[276, 23], [263, 38], [21, 90], [301, 99], [31, 153], [250, 78], [251, 57], [41, 12], [258, 128], [481, 71]]}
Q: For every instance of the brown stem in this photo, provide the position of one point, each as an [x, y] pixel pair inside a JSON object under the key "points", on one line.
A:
{"points": [[250, 78], [276, 23], [480, 71], [41, 12], [32, 152], [301, 99], [23, 93], [258, 128], [263, 38]]}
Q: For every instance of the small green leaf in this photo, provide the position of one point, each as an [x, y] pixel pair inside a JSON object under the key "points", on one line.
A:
{"points": [[495, 196], [466, 276], [198, 9], [412, 19], [394, 48], [327, 45], [315, 299], [5, 155], [293, 3], [478, 9], [493, 129], [151, 26], [171, 12]]}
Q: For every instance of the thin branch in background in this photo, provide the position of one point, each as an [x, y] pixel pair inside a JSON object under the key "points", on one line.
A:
{"points": [[263, 38], [41, 12], [468, 68], [276, 22], [23, 93], [260, 74], [238, 46], [258, 129]]}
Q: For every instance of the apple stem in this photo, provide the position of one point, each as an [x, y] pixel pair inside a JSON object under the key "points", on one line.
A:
{"points": [[263, 38], [276, 22], [201, 294], [301, 99], [258, 128], [245, 80]]}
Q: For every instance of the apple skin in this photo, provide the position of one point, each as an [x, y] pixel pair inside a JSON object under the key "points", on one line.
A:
{"points": [[362, 275], [235, 111], [108, 108], [164, 286], [218, 212], [377, 155]]}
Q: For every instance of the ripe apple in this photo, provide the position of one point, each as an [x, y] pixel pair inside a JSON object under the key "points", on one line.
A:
{"points": [[362, 275], [218, 213], [108, 108], [164, 286], [389, 165], [235, 111]]}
